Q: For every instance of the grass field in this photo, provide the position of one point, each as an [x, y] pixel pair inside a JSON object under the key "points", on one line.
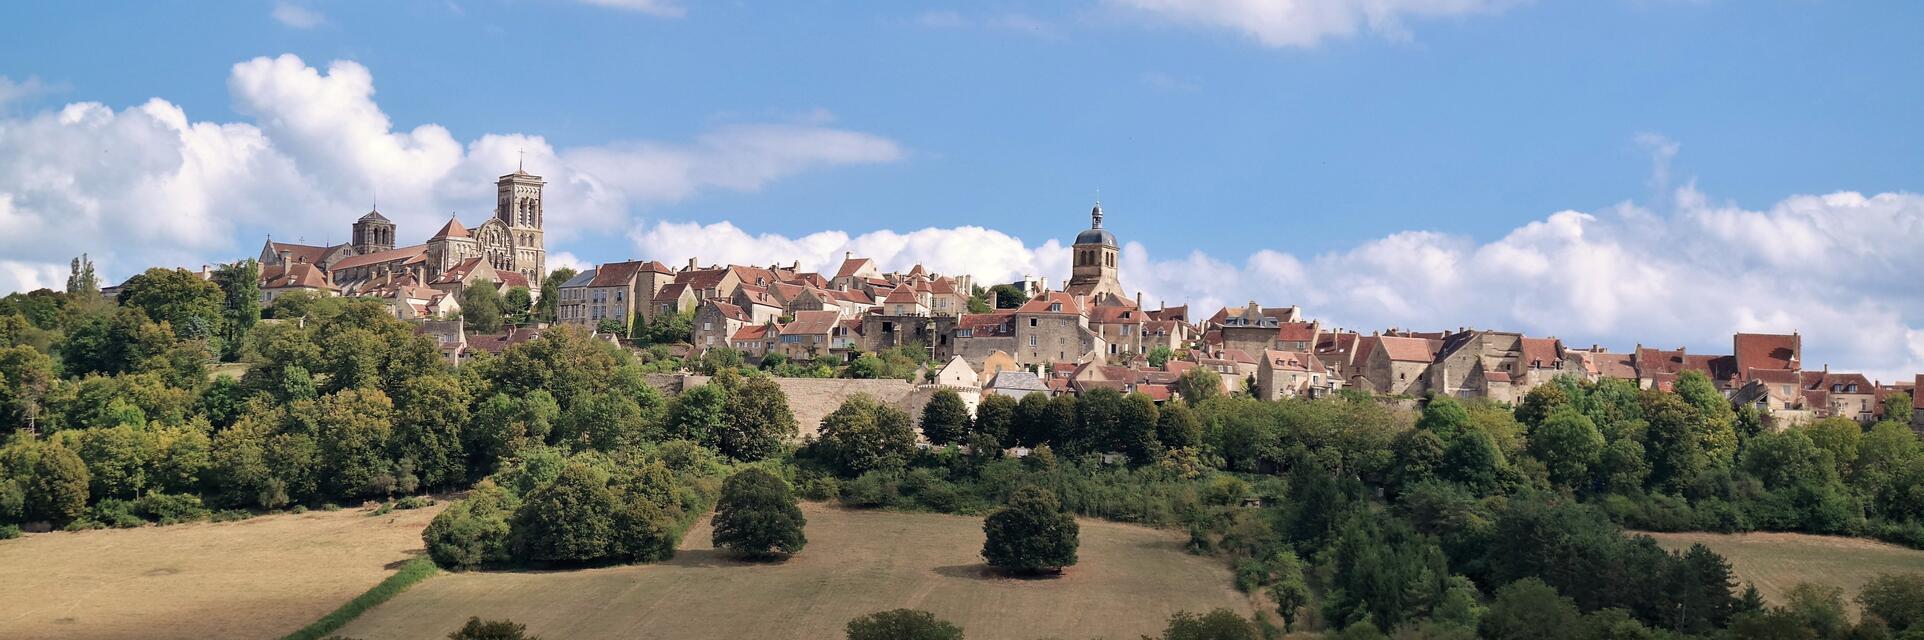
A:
{"points": [[1775, 562], [257, 578], [1129, 581]]}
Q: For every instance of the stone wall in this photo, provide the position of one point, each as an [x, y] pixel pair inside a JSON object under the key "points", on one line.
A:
{"points": [[810, 399]]}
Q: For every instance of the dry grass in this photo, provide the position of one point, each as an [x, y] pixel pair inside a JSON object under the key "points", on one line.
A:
{"points": [[233, 370], [256, 578], [1129, 581], [1775, 562]]}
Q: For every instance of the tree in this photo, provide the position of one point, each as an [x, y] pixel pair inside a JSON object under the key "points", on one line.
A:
{"points": [[1008, 296], [1030, 534], [1444, 416], [1473, 459], [26, 377], [1137, 435], [863, 435], [1177, 426], [1526, 610], [945, 419], [1897, 408], [1197, 385], [481, 307], [699, 414], [240, 286], [1569, 444], [178, 298], [605, 421], [428, 428], [1717, 426], [81, 281], [478, 629], [473, 532], [569, 521], [1288, 588], [352, 428], [1219, 624], [516, 304], [757, 516], [1159, 356], [550, 303], [1895, 598], [902, 624], [758, 420], [995, 418], [57, 490], [1540, 403]]}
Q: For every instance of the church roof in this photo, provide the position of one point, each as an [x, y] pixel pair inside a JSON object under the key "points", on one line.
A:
{"points": [[299, 252], [407, 254], [1095, 234], [452, 229], [374, 216]]}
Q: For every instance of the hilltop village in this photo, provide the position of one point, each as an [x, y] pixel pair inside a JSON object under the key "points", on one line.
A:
{"points": [[1012, 338]]}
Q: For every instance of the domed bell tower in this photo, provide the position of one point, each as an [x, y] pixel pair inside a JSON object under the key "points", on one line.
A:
{"points": [[1094, 273]]}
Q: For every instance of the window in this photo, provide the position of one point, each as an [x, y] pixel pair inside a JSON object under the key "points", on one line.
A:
{"points": [[1055, 307], [1032, 322], [707, 326], [1032, 341]]}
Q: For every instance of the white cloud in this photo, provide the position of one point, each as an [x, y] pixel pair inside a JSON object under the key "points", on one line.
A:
{"points": [[11, 91], [1842, 269], [297, 16], [315, 151], [662, 8], [1305, 23]]}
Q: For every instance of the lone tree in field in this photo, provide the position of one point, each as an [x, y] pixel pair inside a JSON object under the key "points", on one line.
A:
{"points": [[1031, 534], [478, 629], [757, 516], [902, 624]]}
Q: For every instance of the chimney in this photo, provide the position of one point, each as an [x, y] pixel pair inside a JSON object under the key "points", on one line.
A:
{"points": [[1139, 299], [691, 262], [284, 255], [848, 255]]}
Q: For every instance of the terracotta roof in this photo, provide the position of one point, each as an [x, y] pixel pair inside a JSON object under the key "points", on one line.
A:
{"points": [[1296, 332], [1237, 356], [1179, 314], [757, 296], [1766, 351], [656, 266], [1291, 360], [404, 255], [851, 295], [299, 252], [811, 323], [1040, 304], [1401, 349], [458, 272], [1159, 327], [729, 311], [702, 279], [942, 285], [992, 323], [1837, 382], [1496, 375], [671, 291], [295, 274], [901, 295], [497, 343], [755, 275], [452, 229], [1539, 353], [1609, 365], [616, 274], [851, 266], [1773, 376], [753, 332], [1115, 315], [512, 279]]}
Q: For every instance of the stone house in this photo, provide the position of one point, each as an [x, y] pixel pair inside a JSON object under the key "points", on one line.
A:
{"points": [[1394, 365], [1843, 395], [450, 338], [977, 336], [810, 335], [1251, 328], [854, 273], [713, 283], [760, 305], [944, 297], [279, 279], [673, 298], [958, 374], [1294, 374], [906, 301], [756, 340], [1121, 328], [1052, 328], [715, 323], [994, 363], [612, 291]]}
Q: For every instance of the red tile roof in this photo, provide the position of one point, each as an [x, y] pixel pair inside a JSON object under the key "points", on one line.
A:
{"points": [[811, 323], [753, 332], [512, 279], [300, 252], [404, 255], [452, 229], [851, 266], [1291, 360], [729, 311], [988, 324], [1180, 314], [1539, 353], [1296, 332], [458, 272], [671, 291], [1766, 351], [1401, 349], [702, 279], [1115, 315], [616, 274], [901, 295], [1040, 304], [294, 274]]}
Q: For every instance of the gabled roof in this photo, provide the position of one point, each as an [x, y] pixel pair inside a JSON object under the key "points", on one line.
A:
{"points": [[1017, 380], [459, 271], [851, 266], [1766, 350], [1115, 315], [987, 324], [294, 275], [1291, 361], [811, 323], [702, 279], [655, 266], [452, 229], [754, 295], [1179, 314], [512, 279], [1296, 332], [580, 280], [728, 310], [1539, 352], [616, 274], [942, 286], [404, 255], [299, 252], [750, 333], [902, 295], [1040, 304], [670, 292], [1402, 349]]}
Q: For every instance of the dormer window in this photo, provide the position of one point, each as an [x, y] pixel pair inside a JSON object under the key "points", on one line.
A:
{"points": [[1055, 307]]}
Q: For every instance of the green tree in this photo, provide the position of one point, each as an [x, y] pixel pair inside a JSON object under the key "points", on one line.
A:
{"points": [[517, 303], [1526, 610], [352, 428], [240, 286], [605, 421], [902, 624], [1839, 436], [473, 532], [1541, 402], [1569, 444], [757, 516], [1288, 588], [1008, 296], [1473, 459], [1622, 468], [945, 419], [1444, 416], [481, 307], [863, 435], [432, 412], [1160, 356], [995, 418], [1030, 534], [503, 424], [1197, 385], [1717, 431], [190, 305], [569, 521], [699, 414], [758, 420], [26, 377], [1897, 407], [81, 281], [478, 629], [549, 305], [118, 459], [1177, 426], [56, 492], [1219, 624], [1895, 598], [1137, 435]]}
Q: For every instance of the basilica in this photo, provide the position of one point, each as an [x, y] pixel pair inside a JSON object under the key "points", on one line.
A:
{"points": [[508, 245]]}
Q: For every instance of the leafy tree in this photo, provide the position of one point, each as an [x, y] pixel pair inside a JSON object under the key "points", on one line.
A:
{"points": [[1034, 421], [757, 516], [1444, 416], [428, 428], [1385, 573], [1008, 296], [56, 491], [352, 428], [699, 414], [1473, 459], [1160, 356], [1197, 385], [605, 421], [478, 629], [481, 307], [1288, 588], [473, 532], [1621, 467], [864, 367], [863, 435], [945, 419], [503, 424], [1030, 534], [1839, 436], [550, 303], [902, 624], [1717, 434], [1569, 444], [1526, 610], [1219, 624], [1895, 598], [1672, 441], [1136, 434], [758, 420], [1177, 426], [1419, 457], [82, 282], [118, 460], [190, 305], [1541, 402], [569, 521], [1897, 407], [240, 286], [1818, 608], [518, 302], [26, 377], [995, 417]]}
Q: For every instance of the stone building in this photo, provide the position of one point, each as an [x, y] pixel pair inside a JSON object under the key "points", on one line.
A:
{"points": [[1093, 275], [1052, 327]]}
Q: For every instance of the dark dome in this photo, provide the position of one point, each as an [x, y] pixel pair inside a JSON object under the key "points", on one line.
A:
{"points": [[1096, 236]]}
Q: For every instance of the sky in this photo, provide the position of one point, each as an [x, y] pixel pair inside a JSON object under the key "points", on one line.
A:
{"points": [[1615, 172]]}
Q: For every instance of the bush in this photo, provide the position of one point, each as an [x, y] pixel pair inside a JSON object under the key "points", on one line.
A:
{"points": [[478, 629], [568, 521], [113, 512], [872, 490], [1221, 624], [1031, 534], [902, 624], [757, 516], [9, 531], [170, 508], [473, 532], [820, 487], [414, 502]]}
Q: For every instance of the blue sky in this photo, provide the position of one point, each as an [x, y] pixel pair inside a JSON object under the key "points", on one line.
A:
{"points": [[1275, 154]]}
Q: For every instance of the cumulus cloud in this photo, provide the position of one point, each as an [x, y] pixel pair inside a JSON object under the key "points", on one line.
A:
{"points": [[11, 90], [1305, 23], [662, 8], [1839, 268], [147, 185], [297, 16]]}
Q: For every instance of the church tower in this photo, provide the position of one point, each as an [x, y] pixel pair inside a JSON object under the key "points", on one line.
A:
{"points": [[373, 233], [518, 205], [1094, 271]]}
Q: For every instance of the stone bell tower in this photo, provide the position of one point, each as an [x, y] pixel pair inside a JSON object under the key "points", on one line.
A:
{"points": [[518, 205]]}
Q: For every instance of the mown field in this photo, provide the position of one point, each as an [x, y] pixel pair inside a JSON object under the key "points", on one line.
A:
{"points": [[257, 578], [1775, 562], [1129, 581]]}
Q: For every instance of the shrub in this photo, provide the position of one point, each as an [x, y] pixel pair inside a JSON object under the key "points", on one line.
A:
{"points": [[414, 502], [872, 490], [57, 489], [902, 624], [478, 629], [170, 508], [473, 532], [1031, 534], [114, 512], [9, 531], [568, 521], [819, 487], [1221, 624], [758, 517]]}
